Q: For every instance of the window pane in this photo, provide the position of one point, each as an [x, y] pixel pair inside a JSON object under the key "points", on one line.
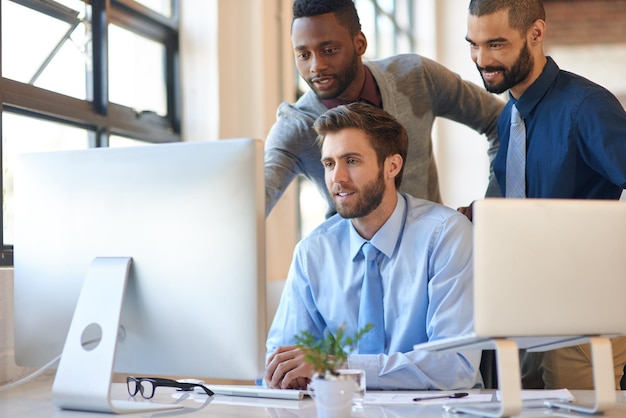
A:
{"points": [[22, 134], [387, 6], [160, 6], [55, 56], [387, 36], [136, 71], [404, 15], [367, 16]]}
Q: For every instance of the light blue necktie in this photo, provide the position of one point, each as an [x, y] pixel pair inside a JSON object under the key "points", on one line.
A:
{"points": [[371, 305], [516, 157]]}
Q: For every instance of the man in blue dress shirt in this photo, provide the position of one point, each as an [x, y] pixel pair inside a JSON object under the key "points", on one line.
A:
{"points": [[575, 143], [425, 264]]}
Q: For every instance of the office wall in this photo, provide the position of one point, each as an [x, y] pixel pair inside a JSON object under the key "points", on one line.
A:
{"points": [[8, 369], [586, 22]]}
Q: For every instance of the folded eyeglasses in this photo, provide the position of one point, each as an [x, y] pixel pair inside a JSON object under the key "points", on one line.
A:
{"points": [[146, 386]]}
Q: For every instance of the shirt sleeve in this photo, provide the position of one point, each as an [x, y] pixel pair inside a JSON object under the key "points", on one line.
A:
{"points": [[290, 150], [450, 313], [601, 125]]}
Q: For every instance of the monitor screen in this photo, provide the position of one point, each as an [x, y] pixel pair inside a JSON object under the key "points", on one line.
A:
{"points": [[190, 216]]}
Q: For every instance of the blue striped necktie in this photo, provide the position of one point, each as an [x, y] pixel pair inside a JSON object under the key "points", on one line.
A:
{"points": [[516, 157], [371, 304]]}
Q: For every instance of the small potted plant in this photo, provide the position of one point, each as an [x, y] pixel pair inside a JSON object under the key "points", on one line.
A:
{"points": [[333, 391]]}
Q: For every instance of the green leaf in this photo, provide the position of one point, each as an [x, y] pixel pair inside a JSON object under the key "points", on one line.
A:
{"points": [[331, 352]]}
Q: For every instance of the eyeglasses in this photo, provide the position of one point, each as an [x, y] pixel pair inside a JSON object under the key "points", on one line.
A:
{"points": [[147, 385]]}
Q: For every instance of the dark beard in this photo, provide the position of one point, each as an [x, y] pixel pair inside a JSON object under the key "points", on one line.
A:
{"points": [[343, 80], [518, 72], [371, 195]]}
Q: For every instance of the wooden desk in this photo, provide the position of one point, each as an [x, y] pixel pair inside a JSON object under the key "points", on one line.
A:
{"points": [[32, 400]]}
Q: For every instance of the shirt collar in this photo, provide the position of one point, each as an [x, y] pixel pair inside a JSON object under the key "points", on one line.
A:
{"points": [[387, 236], [369, 93], [533, 95]]}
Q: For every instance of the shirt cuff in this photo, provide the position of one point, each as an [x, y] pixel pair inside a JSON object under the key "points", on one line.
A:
{"points": [[371, 363]]}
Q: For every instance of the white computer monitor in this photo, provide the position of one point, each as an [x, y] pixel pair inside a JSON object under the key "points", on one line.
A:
{"points": [[190, 216]]}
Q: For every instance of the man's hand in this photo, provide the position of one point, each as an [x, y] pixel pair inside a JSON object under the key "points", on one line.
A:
{"points": [[467, 211], [286, 369]]}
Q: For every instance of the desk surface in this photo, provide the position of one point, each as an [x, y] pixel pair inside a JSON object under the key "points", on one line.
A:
{"points": [[32, 400]]}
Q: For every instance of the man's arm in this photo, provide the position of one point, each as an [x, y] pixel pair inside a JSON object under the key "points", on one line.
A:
{"points": [[467, 103], [601, 124], [281, 163], [290, 150], [284, 365]]}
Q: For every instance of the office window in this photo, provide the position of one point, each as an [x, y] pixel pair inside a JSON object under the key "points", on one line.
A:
{"points": [[387, 26], [136, 73], [79, 74], [164, 7], [52, 58]]}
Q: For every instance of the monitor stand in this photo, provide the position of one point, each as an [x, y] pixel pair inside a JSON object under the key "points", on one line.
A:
{"points": [[84, 376], [509, 382], [603, 379]]}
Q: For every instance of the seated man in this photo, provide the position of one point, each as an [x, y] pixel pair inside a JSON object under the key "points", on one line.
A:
{"points": [[424, 266]]}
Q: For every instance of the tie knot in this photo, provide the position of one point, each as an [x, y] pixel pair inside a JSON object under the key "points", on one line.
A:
{"points": [[369, 251], [515, 116]]}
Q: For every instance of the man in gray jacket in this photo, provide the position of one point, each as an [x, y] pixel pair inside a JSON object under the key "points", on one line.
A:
{"points": [[328, 46]]}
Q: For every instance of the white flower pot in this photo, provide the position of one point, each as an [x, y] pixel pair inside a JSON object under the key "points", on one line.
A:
{"points": [[333, 396]]}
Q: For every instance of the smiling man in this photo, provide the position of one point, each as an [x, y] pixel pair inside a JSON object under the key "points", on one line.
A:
{"points": [[573, 139], [328, 47], [424, 264]]}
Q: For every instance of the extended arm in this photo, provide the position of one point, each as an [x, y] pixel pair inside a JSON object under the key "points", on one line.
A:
{"points": [[467, 103], [291, 150]]}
